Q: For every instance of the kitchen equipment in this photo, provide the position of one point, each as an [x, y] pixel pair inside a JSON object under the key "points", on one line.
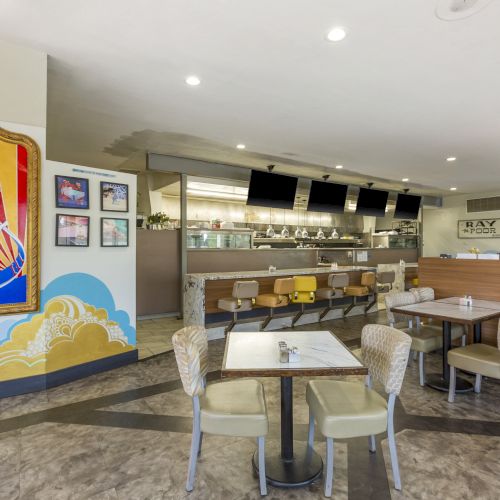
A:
{"points": [[284, 232], [270, 231]]}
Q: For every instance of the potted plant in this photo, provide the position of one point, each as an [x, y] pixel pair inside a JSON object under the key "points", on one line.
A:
{"points": [[158, 220]]}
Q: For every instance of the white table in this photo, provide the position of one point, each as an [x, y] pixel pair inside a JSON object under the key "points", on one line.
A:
{"points": [[256, 354]]}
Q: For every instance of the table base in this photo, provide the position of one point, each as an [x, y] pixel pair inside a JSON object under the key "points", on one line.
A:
{"points": [[303, 469], [437, 382]]}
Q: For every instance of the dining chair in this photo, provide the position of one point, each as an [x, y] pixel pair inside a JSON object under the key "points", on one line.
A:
{"points": [[352, 409], [481, 359], [234, 408], [304, 293], [242, 299], [367, 288]]}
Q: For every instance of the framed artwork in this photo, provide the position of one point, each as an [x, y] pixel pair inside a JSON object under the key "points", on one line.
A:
{"points": [[114, 232], [19, 223], [114, 197], [72, 192], [72, 230]]}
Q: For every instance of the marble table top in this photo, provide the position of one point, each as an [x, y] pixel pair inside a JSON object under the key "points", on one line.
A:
{"points": [[256, 354], [486, 304], [446, 311]]}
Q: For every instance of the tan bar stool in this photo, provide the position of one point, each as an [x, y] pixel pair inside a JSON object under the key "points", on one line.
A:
{"points": [[283, 290], [335, 290], [304, 293], [366, 289], [243, 299]]}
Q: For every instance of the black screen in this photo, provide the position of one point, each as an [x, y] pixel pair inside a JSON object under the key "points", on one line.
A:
{"points": [[327, 197], [371, 202], [407, 206], [271, 190]]}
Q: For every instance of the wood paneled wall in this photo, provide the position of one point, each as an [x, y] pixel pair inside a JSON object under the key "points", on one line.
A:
{"points": [[458, 277]]}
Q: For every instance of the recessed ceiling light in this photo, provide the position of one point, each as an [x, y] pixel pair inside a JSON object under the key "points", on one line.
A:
{"points": [[453, 189], [240, 146], [339, 166], [405, 179], [193, 80], [336, 34], [450, 158]]}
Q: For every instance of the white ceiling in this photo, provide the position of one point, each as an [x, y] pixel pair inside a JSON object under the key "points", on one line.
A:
{"points": [[402, 92]]}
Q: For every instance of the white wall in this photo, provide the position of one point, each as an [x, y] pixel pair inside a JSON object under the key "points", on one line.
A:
{"points": [[23, 85], [440, 227]]}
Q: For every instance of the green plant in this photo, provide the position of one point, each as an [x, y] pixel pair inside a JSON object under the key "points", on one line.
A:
{"points": [[158, 218]]}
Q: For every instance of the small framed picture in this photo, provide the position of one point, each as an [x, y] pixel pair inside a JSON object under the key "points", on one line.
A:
{"points": [[114, 232], [72, 230], [72, 192], [114, 197]]}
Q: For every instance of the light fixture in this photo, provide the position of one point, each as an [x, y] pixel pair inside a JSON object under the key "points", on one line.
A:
{"points": [[203, 193], [338, 167], [405, 179], [193, 80], [240, 146], [336, 34], [453, 189], [450, 158]]}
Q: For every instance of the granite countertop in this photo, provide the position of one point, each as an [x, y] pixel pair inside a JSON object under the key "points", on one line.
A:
{"points": [[279, 272]]}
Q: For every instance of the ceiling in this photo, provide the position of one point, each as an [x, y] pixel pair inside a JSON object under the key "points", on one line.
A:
{"points": [[402, 92]]}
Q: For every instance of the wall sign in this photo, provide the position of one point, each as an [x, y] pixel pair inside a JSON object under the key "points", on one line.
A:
{"points": [[479, 228]]}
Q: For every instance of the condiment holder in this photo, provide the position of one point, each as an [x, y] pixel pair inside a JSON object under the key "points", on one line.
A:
{"points": [[288, 354]]}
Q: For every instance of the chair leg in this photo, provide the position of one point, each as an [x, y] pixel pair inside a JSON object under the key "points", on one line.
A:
{"points": [[415, 355], [453, 382], [201, 442], [464, 340], [392, 443], [477, 385], [351, 306], [195, 445], [310, 434], [372, 446], [262, 465], [298, 315], [231, 325], [421, 368], [329, 467], [324, 312], [371, 304], [267, 320]]}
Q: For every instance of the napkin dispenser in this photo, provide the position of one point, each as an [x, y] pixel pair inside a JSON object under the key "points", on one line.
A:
{"points": [[288, 354]]}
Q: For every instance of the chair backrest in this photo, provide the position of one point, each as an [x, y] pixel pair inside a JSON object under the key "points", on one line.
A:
{"points": [[338, 280], [284, 286], [386, 277], [245, 289], [423, 293], [191, 353], [395, 300], [368, 279], [305, 283], [385, 352]]}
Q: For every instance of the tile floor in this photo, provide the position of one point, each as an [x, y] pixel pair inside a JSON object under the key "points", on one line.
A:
{"points": [[154, 335]]}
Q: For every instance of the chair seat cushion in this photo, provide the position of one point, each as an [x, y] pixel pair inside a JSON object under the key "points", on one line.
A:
{"points": [[231, 304], [271, 300], [476, 358], [357, 290], [235, 408], [329, 293], [346, 409], [425, 339]]}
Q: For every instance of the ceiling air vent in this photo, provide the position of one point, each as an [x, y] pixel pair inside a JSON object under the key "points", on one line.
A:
{"points": [[483, 204]]}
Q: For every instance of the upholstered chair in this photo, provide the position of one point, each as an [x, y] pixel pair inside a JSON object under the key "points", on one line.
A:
{"points": [[335, 290], [281, 297], [242, 299], [481, 359], [385, 281], [348, 409], [367, 288], [234, 408], [304, 293]]}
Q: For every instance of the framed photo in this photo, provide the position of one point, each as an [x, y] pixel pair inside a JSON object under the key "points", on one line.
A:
{"points": [[114, 197], [72, 230], [114, 232], [19, 223], [72, 192]]}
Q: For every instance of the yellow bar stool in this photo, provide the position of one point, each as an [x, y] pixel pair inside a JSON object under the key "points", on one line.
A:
{"points": [[366, 289], [335, 290], [283, 290], [304, 293], [243, 299]]}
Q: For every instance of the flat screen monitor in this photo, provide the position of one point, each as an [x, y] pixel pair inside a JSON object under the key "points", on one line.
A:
{"points": [[271, 190], [407, 206], [371, 202], [327, 197]]}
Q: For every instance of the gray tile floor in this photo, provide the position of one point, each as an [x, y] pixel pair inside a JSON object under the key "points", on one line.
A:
{"points": [[125, 434], [154, 335]]}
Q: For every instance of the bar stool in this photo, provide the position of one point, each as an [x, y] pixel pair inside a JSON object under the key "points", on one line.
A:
{"points": [[336, 284], [367, 288], [243, 298], [283, 290], [304, 293], [385, 281]]}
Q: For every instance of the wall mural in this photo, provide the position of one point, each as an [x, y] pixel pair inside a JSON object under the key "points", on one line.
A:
{"points": [[19, 216], [69, 331]]}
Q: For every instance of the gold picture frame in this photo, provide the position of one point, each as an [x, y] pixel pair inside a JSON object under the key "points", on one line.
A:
{"points": [[19, 223]]}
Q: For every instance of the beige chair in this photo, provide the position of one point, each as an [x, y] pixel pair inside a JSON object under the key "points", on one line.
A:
{"points": [[349, 409], [283, 290], [367, 288], [481, 359], [425, 338], [242, 299], [335, 290], [235, 408]]}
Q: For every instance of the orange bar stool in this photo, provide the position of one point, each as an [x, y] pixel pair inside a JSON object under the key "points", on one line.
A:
{"points": [[304, 293], [243, 299], [366, 289], [335, 290], [283, 290]]}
